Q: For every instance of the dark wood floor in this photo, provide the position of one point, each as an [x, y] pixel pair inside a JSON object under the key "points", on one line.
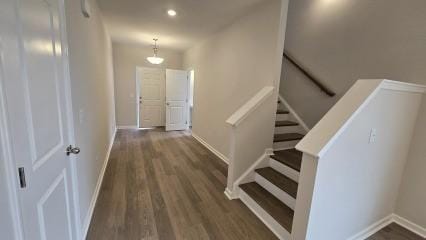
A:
{"points": [[168, 186], [395, 232]]}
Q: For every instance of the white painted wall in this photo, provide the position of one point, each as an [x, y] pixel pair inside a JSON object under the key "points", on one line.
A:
{"points": [[357, 182], [6, 226], [126, 59], [412, 195], [231, 67], [342, 41], [92, 95]]}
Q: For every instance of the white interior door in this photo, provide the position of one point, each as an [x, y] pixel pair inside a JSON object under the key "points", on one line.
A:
{"points": [[34, 85], [176, 100], [152, 97]]}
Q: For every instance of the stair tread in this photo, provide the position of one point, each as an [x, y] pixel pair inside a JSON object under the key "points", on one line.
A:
{"points": [[272, 205], [291, 157], [287, 137], [281, 181], [280, 111], [285, 123]]}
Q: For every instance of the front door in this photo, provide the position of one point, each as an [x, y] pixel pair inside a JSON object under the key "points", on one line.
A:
{"points": [[34, 85], [176, 100], [151, 97]]}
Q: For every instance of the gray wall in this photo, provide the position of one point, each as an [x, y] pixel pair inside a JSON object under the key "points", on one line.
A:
{"points": [[92, 95], [230, 68], [342, 41], [126, 58]]}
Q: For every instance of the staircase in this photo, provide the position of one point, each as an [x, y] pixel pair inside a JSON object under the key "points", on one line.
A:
{"points": [[272, 195]]}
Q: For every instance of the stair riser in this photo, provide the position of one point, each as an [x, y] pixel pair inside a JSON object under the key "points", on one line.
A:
{"points": [[283, 117], [267, 219], [274, 190], [284, 169], [289, 129], [285, 145]]}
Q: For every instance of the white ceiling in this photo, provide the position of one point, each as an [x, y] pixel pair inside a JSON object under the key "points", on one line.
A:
{"points": [[139, 21]]}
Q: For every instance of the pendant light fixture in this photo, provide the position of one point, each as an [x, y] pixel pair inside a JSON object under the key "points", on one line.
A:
{"points": [[155, 59]]}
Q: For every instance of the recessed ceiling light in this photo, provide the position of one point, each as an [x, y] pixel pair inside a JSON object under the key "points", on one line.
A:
{"points": [[171, 12]]}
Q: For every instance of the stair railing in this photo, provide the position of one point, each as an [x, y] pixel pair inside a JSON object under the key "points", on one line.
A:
{"points": [[311, 77], [251, 133]]}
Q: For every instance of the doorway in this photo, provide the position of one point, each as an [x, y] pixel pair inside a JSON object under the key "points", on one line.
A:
{"points": [[164, 98], [151, 97]]}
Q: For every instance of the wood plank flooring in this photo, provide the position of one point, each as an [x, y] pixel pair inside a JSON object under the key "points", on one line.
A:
{"points": [[167, 186], [395, 232]]}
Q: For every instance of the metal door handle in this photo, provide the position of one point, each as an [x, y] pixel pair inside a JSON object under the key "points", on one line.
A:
{"points": [[73, 150], [167, 104]]}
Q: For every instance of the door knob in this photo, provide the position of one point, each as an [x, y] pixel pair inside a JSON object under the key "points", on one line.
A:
{"points": [[167, 104], [74, 150]]}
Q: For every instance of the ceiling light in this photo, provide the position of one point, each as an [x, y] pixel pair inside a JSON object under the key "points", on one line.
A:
{"points": [[171, 12], [155, 59]]}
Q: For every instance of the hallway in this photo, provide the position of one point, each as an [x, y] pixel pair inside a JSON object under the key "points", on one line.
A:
{"points": [[162, 185]]}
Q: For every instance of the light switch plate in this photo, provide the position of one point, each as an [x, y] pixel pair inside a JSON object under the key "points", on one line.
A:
{"points": [[373, 135]]}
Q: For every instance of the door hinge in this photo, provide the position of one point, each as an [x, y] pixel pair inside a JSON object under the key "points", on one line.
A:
{"points": [[22, 180]]}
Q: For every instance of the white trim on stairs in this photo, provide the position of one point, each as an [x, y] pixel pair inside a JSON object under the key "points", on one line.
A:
{"points": [[284, 169], [276, 191], [212, 149], [267, 219], [248, 175], [88, 218], [295, 115]]}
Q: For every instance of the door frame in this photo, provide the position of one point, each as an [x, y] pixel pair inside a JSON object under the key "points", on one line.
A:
{"points": [[12, 179], [138, 95], [190, 117]]}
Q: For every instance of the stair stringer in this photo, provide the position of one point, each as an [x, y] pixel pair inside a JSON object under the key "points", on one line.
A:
{"points": [[294, 115], [249, 174]]}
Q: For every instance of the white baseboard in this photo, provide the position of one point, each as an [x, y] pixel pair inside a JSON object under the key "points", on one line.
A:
{"points": [[421, 231], [92, 205], [377, 226], [127, 127], [231, 195], [373, 228], [212, 149]]}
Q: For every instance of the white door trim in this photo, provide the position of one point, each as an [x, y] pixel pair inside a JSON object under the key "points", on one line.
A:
{"points": [[70, 118], [10, 166], [138, 95], [6, 143]]}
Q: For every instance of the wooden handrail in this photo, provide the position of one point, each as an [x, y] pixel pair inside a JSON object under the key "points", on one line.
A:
{"points": [[323, 88]]}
